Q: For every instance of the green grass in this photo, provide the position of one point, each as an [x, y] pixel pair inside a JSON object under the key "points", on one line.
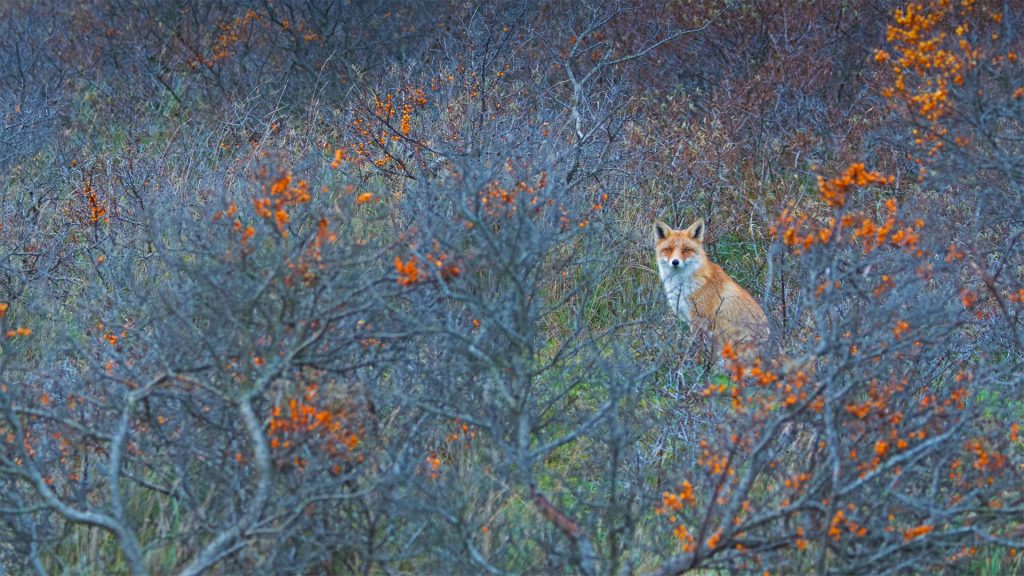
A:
{"points": [[743, 259]]}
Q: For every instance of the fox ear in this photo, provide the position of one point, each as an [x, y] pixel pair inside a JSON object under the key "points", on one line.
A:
{"points": [[696, 230], [661, 229]]}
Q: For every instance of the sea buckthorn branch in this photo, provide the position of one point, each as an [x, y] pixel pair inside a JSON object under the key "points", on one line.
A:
{"points": [[115, 522]]}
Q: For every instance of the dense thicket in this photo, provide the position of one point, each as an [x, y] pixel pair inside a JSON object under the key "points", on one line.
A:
{"points": [[294, 286]]}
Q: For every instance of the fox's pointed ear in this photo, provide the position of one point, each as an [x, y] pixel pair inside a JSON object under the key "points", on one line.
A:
{"points": [[661, 229], [696, 230]]}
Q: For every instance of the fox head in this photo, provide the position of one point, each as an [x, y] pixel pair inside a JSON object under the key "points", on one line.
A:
{"points": [[679, 251]]}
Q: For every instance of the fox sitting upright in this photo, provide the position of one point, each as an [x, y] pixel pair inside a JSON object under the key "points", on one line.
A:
{"points": [[701, 293]]}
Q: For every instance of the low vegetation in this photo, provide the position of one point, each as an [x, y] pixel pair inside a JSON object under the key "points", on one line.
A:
{"points": [[330, 287]]}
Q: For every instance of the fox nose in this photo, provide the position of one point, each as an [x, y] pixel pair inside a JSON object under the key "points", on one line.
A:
{"points": [[675, 262]]}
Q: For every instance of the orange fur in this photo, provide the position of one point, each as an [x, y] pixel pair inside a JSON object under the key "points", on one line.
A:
{"points": [[701, 293]]}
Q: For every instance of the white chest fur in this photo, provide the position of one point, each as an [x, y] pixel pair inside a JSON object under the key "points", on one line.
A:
{"points": [[679, 284]]}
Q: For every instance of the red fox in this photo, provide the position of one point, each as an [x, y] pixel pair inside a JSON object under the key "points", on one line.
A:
{"points": [[701, 293]]}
